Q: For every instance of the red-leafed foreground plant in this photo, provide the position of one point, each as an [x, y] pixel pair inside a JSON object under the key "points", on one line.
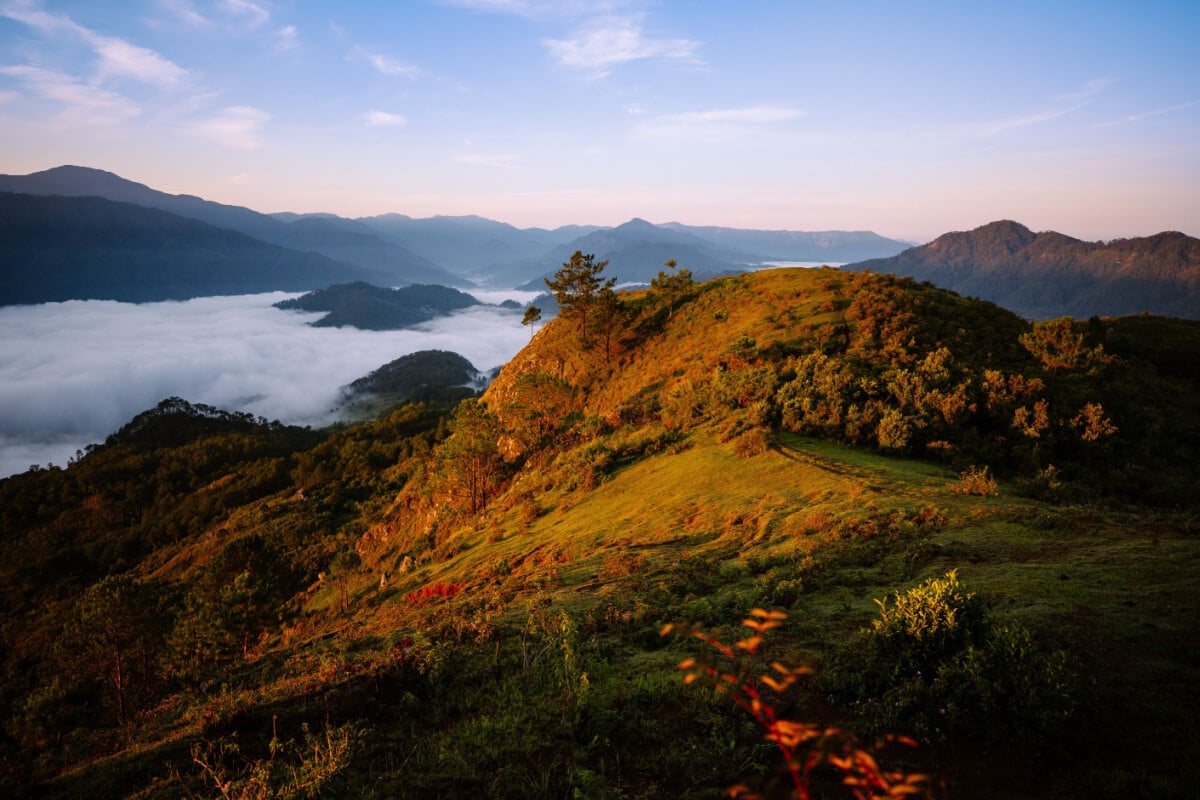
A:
{"points": [[806, 747]]}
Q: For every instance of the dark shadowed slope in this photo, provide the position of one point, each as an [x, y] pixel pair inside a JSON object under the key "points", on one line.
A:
{"points": [[336, 238], [77, 248]]}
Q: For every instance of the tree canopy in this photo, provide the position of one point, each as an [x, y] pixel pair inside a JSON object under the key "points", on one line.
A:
{"points": [[578, 287]]}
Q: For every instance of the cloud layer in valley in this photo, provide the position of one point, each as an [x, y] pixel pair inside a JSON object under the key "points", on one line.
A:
{"points": [[72, 373]]}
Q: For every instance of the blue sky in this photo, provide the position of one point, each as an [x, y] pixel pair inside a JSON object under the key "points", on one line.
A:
{"points": [[907, 118]]}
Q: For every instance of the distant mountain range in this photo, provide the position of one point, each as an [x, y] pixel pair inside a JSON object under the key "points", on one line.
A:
{"points": [[472, 246], [79, 233], [1044, 275], [77, 248], [298, 252], [333, 237]]}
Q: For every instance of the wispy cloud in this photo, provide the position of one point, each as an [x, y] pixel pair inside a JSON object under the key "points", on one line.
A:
{"points": [[236, 127], [540, 9], [1158, 112], [384, 64], [383, 119], [85, 103], [186, 12], [1064, 104], [719, 123], [117, 57], [495, 160], [287, 38], [607, 42], [252, 13], [8, 97]]}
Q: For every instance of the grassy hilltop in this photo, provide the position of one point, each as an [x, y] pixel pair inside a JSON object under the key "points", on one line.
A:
{"points": [[467, 602]]}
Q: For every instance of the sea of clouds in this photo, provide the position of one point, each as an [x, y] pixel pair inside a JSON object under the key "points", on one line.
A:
{"points": [[72, 373]]}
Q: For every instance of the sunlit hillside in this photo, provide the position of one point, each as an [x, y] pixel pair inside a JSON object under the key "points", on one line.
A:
{"points": [[467, 601]]}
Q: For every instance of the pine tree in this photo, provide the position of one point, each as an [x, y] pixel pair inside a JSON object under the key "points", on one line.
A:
{"points": [[578, 287]]}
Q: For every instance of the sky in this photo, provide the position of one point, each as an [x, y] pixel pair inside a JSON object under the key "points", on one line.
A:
{"points": [[71, 373], [906, 118]]}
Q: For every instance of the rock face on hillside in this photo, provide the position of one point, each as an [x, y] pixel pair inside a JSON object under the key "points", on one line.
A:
{"points": [[1045, 275]]}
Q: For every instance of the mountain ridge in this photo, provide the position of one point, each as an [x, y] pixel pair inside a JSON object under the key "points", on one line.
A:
{"points": [[1049, 274], [89, 248], [367, 252]]}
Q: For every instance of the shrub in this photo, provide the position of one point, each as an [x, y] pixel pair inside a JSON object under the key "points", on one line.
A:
{"points": [[976, 481], [751, 443], [934, 665]]}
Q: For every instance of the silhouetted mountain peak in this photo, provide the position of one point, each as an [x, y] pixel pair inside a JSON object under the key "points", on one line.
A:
{"points": [[637, 224]]}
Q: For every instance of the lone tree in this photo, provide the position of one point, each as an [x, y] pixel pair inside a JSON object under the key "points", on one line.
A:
{"points": [[578, 287], [533, 315], [470, 459], [672, 285]]}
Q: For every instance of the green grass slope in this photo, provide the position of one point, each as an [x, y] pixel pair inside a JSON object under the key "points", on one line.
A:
{"points": [[468, 604]]}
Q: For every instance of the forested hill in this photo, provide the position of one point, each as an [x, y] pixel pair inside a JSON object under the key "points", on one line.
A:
{"points": [[470, 601], [1045, 275], [88, 248], [376, 308]]}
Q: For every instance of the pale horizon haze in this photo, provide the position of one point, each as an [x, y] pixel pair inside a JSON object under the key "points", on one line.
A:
{"points": [[906, 118]]}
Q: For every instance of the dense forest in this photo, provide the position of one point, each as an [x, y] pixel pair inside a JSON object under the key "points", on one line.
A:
{"points": [[922, 544]]}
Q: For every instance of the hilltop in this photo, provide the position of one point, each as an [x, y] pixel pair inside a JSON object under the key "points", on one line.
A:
{"points": [[1044, 275], [468, 602]]}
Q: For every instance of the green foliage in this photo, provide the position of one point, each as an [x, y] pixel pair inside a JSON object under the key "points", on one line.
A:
{"points": [[1058, 345], [112, 637], [539, 409], [228, 608], [579, 290], [513, 650], [290, 771], [470, 461], [672, 285], [934, 664], [532, 315]]}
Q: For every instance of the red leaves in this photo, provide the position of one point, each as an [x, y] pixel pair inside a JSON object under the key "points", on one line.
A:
{"points": [[432, 591]]}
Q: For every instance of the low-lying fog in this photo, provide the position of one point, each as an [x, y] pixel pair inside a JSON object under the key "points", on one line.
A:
{"points": [[72, 373]]}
